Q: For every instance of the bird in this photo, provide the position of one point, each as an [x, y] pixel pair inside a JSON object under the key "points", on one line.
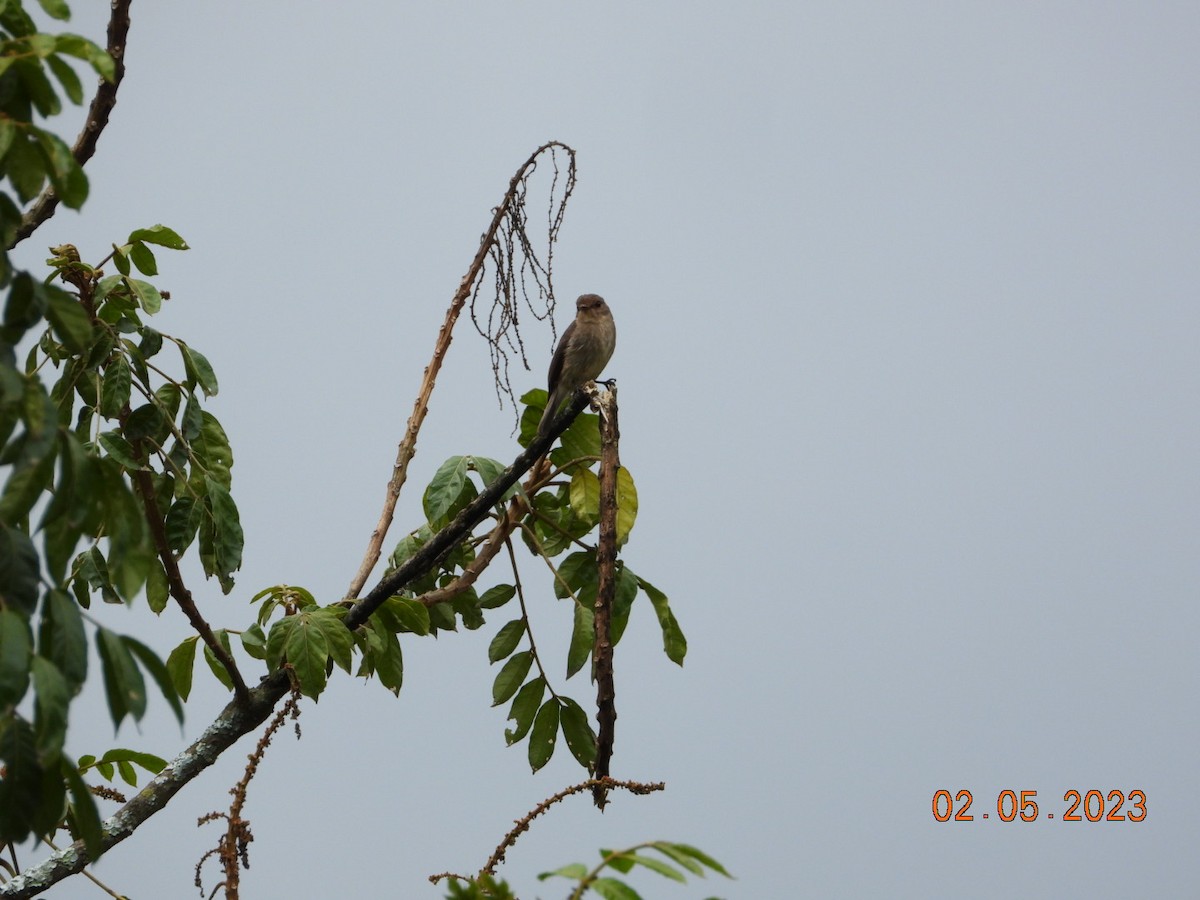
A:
{"points": [[582, 353]]}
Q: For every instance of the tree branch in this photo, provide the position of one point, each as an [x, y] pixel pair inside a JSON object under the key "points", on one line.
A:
{"points": [[462, 524], [408, 444], [606, 564], [238, 718], [242, 716], [522, 824], [97, 119], [179, 591]]}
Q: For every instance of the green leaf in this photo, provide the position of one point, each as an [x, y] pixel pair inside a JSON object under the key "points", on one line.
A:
{"points": [[654, 865], [114, 389], [254, 641], [624, 594], [150, 300], [199, 370], [25, 306], [19, 571], [466, 605], [215, 665], [65, 173], [506, 640], [441, 615], [120, 450], [583, 639], [61, 638], [83, 811], [81, 48], [683, 859], [124, 760], [212, 449], [161, 235], [577, 731], [612, 889], [510, 677], [489, 470], [627, 505], [16, 651], [150, 345], [227, 530], [693, 852], [25, 167], [21, 787], [8, 133], [69, 319], [307, 649], [52, 697], [157, 589], [674, 643], [25, 486], [404, 614], [524, 708], [544, 734], [120, 259], [180, 665], [388, 661], [573, 871], [183, 519], [578, 570], [497, 596], [277, 639], [337, 636], [158, 671], [445, 489], [192, 424], [123, 683], [580, 441], [585, 495], [56, 9], [67, 77], [143, 257]]}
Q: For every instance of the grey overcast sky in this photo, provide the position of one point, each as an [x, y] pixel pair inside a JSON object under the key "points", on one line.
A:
{"points": [[907, 302]]}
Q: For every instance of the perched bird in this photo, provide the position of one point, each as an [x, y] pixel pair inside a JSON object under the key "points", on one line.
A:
{"points": [[582, 353]]}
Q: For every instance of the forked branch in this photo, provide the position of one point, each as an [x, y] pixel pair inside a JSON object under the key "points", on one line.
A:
{"points": [[510, 210]]}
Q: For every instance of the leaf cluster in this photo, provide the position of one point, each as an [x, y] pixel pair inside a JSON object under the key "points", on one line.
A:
{"points": [[670, 860], [91, 409], [34, 69], [114, 469]]}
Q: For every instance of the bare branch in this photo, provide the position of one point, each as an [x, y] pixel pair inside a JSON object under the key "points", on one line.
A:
{"points": [[233, 846], [606, 564], [522, 824], [511, 211], [97, 119]]}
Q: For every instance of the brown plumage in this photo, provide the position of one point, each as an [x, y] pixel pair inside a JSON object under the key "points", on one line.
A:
{"points": [[582, 353]]}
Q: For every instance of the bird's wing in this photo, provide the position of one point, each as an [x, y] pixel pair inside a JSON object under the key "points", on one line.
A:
{"points": [[560, 354]]}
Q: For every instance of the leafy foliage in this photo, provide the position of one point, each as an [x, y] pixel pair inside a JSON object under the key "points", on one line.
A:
{"points": [[115, 468], [676, 860]]}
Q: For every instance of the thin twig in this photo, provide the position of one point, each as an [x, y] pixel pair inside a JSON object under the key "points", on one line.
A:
{"points": [[522, 825], [97, 118]]}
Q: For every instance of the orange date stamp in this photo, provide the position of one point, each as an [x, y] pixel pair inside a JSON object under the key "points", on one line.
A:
{"points": [[1079, 806]]}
